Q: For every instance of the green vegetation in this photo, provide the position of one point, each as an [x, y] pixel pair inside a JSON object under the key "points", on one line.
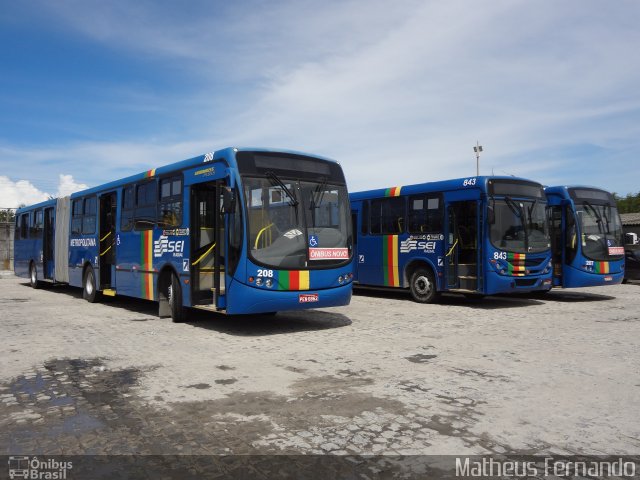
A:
{"points": [[628, 204]]}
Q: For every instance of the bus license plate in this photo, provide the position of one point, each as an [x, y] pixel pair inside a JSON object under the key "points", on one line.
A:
{"points": [[308, 297]]}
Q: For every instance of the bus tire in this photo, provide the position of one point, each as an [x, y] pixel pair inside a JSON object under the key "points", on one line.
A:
{"points": [[174, 295], [423, 286], [33, 276], [89, 290]]}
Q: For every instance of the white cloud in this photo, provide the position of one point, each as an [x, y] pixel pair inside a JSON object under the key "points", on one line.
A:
{"points": [[13, 194], [23, 192], [67, 185]]}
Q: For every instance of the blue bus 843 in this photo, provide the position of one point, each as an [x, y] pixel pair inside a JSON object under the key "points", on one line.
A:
{"points": [[477, 236], [237, 231]]}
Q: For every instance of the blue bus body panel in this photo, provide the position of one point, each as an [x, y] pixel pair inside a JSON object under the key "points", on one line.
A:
{"points": [[29, 250], [141, 256], [376, 265], [581, 271]]}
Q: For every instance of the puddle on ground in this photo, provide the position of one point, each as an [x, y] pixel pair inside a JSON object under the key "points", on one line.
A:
{"points": [[80, 406], [420, 358], [199, 386]]}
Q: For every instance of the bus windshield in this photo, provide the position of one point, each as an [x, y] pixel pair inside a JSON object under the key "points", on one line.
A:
{"points": [[519, 226], [601, 231], [297, 210], [291, 220]]}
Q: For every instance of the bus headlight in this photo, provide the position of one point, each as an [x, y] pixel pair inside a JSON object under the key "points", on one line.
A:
{"points": [[259, 282], [269, 283], [340, 279]]}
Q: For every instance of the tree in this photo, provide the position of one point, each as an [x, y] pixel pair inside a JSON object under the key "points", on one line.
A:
{"points": [[628, 204]]}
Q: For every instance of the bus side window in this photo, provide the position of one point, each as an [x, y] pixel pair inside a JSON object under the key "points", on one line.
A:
{"points": [[76, 219], [126, 215], [36, 224], [24, 226], [387, 215], [146, 206], [417, 217], [365, 218], [434, 214], [170, 202], [89, 216]]}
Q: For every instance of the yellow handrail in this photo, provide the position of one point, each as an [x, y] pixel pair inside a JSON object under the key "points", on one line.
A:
{"points": [[452, 247], [102, 254], [255, 246], [203, 255], [105, 237]]}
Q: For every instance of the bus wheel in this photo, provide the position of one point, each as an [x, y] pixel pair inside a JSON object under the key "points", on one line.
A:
{"points": [[33, 276], [89, 291], [423, 286], [174, 295]]}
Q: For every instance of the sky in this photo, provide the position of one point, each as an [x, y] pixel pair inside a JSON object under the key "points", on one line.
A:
{"points": [[398, 92]]}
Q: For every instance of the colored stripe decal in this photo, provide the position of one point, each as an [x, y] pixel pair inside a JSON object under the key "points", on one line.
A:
{"points": [[516, 262], [392, 192], [390, 261], [602, 267], [293, 280], [146, 263], [150, 173]]}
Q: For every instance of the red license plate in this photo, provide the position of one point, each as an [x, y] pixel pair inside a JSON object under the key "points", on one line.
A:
{"points": [[308, 297]]}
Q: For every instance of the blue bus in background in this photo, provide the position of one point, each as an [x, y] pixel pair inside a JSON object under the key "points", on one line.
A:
{"points": [[237, 231], [586, 237], [476, 236]]}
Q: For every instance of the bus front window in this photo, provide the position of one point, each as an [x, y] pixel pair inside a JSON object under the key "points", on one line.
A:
{"points": [[276, 232], [519, 226], [600, 229], [297, 224]]}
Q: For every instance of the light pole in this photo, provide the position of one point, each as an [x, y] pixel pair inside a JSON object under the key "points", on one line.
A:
{"points": [[477, 149]]}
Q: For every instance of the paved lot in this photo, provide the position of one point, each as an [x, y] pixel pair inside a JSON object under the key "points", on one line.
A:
{"points": [[559, 374]]}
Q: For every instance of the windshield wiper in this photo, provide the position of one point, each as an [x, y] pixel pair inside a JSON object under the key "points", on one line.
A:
{"points": [[596, 213], [530, 211], [514, 207], [292, 199]]}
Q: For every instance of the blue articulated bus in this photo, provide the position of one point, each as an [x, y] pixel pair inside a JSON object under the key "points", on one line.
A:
{"points": [[586, 237], [477, 236], [237, 231]]}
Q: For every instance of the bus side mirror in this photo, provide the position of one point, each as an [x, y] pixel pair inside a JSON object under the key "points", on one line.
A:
{"points": [[228, 200], [491, 216]]}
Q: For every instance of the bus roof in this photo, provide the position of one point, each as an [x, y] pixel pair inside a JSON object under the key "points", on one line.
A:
{"points": [[481, 183], [563, 190], [221, 154], [47, 203]]}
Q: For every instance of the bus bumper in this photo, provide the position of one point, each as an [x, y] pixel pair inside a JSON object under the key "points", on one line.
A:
{"points": [[243, 299], [509, 284], [575, 278]]}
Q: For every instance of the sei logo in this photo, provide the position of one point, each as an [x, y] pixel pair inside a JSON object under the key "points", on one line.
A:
{"points": [[164, 245]]}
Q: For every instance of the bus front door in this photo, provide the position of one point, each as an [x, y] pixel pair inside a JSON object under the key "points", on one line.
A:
{"points": [[107, 241], [47, 244], [207, 246], [461, 259]]}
